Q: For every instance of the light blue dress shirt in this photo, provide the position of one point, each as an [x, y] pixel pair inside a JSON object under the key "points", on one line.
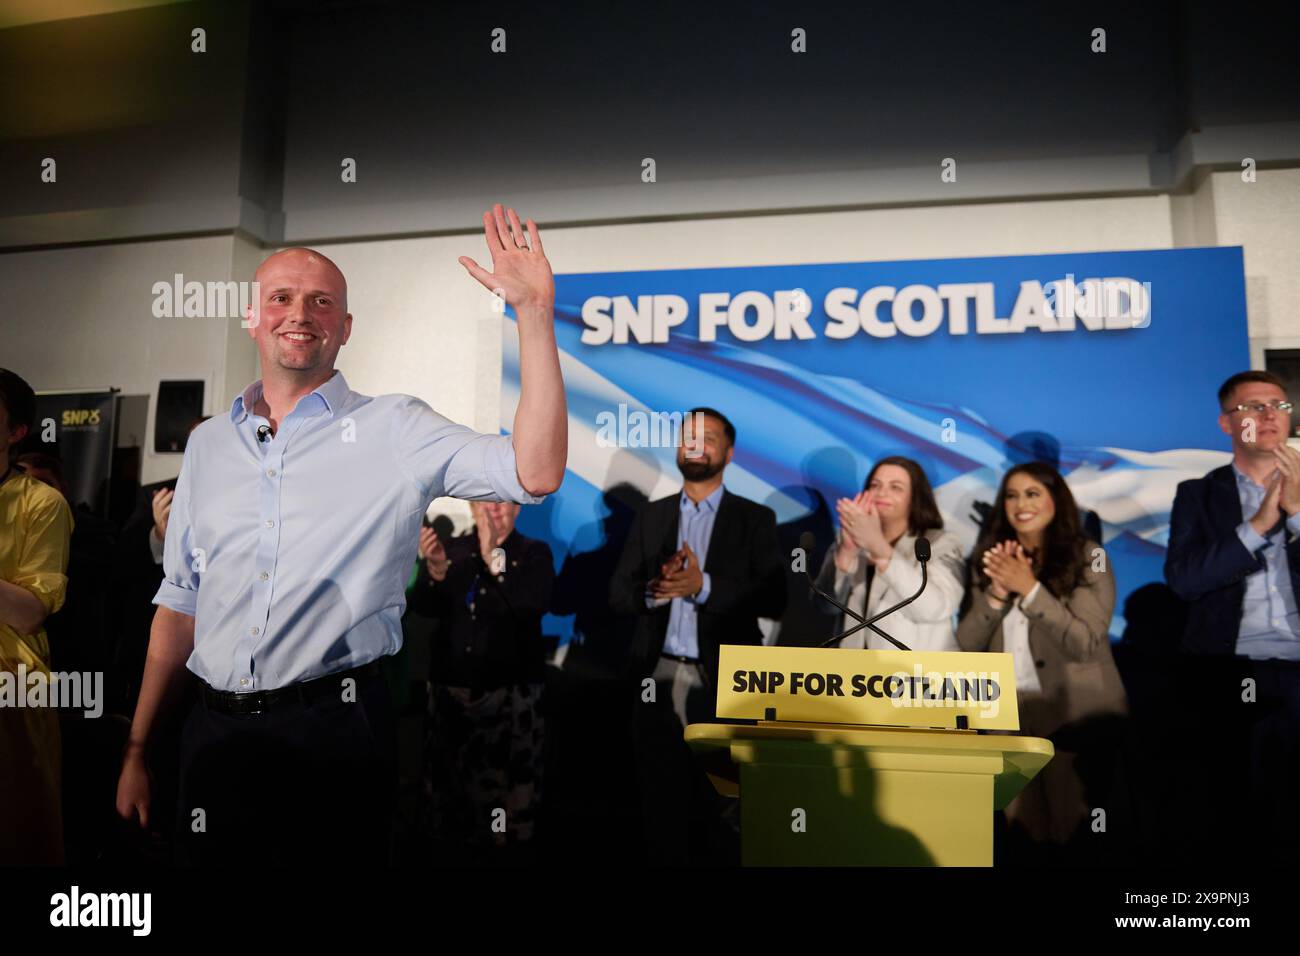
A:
{"points": [[694, 527], [292, 555], [1270, 624]]}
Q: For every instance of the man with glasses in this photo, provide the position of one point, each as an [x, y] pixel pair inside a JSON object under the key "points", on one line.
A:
{"points": [[1234, 555]]}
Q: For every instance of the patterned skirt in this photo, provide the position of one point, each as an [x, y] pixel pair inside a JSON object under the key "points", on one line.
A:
{"points": [[483, 764]]}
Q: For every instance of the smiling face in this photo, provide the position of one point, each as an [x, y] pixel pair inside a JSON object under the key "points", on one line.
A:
{"points": [[1271, 427], [303, 317], [1029, 504], [891, 490]]}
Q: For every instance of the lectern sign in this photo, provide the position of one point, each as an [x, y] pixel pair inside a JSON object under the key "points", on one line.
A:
{"points": [[889, 688]]}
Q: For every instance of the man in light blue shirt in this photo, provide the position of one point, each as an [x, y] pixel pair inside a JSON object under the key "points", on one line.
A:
{"points": [[288, 544], [1270, 624]]}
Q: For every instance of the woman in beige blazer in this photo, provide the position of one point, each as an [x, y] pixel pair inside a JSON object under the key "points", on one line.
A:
{"points": [[1044, 593], [876, 542]]}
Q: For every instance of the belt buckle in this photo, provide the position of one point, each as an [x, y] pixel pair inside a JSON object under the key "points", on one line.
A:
{"points": [[251, 709]]}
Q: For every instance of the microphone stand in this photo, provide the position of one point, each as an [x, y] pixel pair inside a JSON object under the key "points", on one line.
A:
{"points": [[922, 556]]}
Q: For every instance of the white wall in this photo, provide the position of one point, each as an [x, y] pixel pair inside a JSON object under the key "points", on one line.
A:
{"points": [[422, 325], [1264, 218], [82, 317]]}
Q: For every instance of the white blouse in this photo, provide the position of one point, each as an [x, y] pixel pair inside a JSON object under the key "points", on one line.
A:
{"points": [[1015, 641]]}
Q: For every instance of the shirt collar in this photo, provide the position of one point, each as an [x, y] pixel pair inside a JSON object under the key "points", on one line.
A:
{"points": [[708, 504], [332, 395], [1242, 477]]}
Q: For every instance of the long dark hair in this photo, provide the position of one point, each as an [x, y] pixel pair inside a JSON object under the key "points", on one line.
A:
{"points": [[1061, 562], [923, 514]]}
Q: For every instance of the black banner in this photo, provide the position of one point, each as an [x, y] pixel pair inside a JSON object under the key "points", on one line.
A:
{"points": [[78, 428]]}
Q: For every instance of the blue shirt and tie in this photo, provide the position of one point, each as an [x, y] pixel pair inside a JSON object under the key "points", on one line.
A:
{"points": [[1270, 624], [292, 554], [694, 527]]}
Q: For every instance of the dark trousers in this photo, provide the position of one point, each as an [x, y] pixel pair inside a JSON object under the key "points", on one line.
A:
{"points": [[681, 813], [1275, 764], [300, 783]]}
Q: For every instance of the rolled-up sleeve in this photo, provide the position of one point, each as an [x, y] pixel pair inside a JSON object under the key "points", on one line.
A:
{"points": [[182, 561], [43, 564], [445, 458]]}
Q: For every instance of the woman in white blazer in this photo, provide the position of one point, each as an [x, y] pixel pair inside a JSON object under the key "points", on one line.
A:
{"points": [[873, 565]]}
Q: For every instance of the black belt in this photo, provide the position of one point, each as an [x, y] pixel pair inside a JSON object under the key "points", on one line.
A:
{"points": [[240, 705], [679, 659]]}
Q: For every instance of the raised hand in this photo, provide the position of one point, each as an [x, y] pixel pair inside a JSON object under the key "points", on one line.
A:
{"points": [[162, 509], [520, 271], [433, 552], [489, 535]]}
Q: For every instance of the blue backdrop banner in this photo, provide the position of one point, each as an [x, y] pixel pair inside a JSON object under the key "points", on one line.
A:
{"points": [[1104, 363]]}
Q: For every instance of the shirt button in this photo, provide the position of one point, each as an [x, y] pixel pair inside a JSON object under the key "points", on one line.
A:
{"points": [[254, 630], [482, 590], [270, 472], [263, 576], [243, 682], [270, 523]]}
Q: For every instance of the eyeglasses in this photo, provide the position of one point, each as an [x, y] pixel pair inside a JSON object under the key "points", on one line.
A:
{"points": [[1259, 408]]}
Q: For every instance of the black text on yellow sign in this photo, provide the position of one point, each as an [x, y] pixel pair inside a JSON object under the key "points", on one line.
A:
{"points": [[888, 688]]}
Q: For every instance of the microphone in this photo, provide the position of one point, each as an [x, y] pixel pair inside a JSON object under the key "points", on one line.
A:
{"points": [[263, 433], [806, 544], [922, 551]]}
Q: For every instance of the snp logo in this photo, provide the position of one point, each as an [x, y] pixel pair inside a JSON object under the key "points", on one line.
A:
{"points": [[80, 416], [103, 909]]}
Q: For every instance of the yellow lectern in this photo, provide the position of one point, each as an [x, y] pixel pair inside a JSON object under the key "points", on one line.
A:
{"points": [[867, 757]]}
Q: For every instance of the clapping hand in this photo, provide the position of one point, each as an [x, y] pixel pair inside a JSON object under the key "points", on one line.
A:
{"points": [[1288, 467], [685, 581], [162, 509], [1009, 570], [861, 523], [433, 552]]}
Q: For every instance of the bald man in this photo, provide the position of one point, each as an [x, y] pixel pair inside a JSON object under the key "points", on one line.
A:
{"points": [[288, 543]]}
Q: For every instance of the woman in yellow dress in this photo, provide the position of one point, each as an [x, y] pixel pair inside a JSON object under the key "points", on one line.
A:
{"points": [[35, 526]]}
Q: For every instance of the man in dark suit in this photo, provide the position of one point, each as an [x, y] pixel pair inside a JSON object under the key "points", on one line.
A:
{"points": [[698, 570], [1234, 554]]}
